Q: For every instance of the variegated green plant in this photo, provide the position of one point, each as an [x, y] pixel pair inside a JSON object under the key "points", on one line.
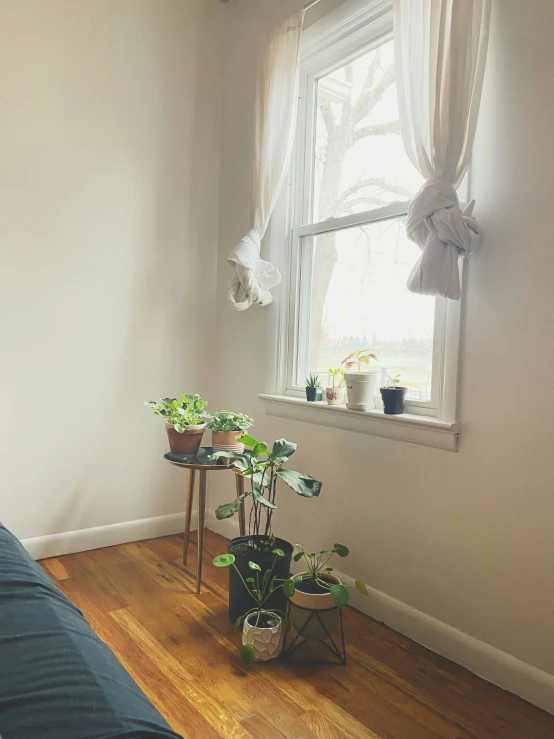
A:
{"points": [[189, 411], [264, 467]]}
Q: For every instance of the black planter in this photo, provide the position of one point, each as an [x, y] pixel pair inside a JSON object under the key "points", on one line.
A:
{"points": [[311, 394], [393, 400], [239, 598]]}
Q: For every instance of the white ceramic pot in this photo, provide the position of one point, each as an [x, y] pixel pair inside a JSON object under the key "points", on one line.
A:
{"points": [[267, 643], [361, 388], [302, 605], [334, 395]]}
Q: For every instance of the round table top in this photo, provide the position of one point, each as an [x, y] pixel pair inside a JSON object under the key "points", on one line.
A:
{"points": [[199, 461]]}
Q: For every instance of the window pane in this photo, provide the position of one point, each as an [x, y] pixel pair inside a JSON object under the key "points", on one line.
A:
{"points": [[360, 162], [354, 286]]}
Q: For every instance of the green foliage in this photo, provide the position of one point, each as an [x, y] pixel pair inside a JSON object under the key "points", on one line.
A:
{"points": [[356, 358], [260, 587], [263, 468], [316, 569], [229, 421], [336, 375], [313, 381], [393, 381], [189, 411]]}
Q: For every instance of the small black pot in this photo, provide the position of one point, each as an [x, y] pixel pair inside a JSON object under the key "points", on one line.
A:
{"points": [[313, 394], [393, 400], [240, 600]]}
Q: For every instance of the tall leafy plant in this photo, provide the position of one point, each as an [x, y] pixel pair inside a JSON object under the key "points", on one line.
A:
{"points": [[263, 468]]}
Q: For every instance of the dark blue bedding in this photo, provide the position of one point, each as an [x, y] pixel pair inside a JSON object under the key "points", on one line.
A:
{"points": [[58, 680]]}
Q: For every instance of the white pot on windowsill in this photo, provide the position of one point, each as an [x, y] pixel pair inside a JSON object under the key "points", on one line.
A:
{"points": [[361, 388], [335, 395]]}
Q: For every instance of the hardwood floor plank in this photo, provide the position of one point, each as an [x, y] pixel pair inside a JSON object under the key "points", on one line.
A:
{"points": [[183, 652]]}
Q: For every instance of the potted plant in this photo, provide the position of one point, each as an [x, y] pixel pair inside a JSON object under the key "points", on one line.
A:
{"points": [[263, 467], [361, 385], [185, 421], [313, 389], [335, 394], [393, 395], [319, 590], [264, 627], [227, 428]]}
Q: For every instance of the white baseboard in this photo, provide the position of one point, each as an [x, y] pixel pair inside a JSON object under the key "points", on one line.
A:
{"points": [[490, 663], [83, 540]]}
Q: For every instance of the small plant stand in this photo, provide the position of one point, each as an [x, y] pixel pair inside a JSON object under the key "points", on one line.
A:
{"points": [[297, 644]]}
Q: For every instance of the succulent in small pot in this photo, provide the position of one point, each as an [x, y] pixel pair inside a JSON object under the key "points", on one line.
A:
{"points": [[185, 421], [227, 428], [361, 385], [264, 628], [394, 396], [335, 393], [313, 389], [319, 589]]}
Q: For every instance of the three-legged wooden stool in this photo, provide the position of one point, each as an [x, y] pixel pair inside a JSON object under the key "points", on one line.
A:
{"points": [[201, 464]]}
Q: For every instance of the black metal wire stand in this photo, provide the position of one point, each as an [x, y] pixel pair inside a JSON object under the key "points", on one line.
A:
{"points": [[328, 642]]}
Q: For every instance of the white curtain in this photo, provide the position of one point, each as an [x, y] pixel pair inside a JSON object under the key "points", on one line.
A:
{"points": [[275, 123], [440, 50]]}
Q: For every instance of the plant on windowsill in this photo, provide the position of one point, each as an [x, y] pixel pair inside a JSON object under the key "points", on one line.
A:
{"points": [[227, 428], [319, 590], [185, 421], [361, 385], [313, 389], [263, 467], [335, 393], [393, 395], [264, 627]]}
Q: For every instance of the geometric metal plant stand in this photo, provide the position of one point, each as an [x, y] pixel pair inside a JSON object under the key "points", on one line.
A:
{"points": [[299, 643]]}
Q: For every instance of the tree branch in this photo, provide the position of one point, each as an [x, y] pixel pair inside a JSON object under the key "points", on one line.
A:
{"points": [[371, 96], [379, 129], [376, 182]]}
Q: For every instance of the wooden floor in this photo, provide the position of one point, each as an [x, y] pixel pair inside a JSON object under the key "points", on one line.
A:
{"points": [[182, 651]]}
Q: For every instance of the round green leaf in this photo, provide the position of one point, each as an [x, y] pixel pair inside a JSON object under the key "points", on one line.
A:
{"points": [[238, 623], [247, 654], [341, 550], [339, 594], [289, 588], [297, 556], [278, 552], [224, 560], [250, 579], [361, 587], [254, 566]]}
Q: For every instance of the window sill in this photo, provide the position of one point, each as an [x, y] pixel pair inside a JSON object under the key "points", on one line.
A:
{"points": [[409, 428]]}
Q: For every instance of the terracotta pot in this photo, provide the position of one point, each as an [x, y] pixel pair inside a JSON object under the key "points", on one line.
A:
{"points": [[188, 442], [267, 643], [334, 395], [226, 441], [315, 629]]}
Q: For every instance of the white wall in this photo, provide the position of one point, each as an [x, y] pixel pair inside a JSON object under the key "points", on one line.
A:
{"points": [[109, 166], [465, 538]]}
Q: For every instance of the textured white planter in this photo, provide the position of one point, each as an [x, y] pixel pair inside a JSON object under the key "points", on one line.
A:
{"points": [[361, 388], [335, 395], [266, 643], [313, 628]]}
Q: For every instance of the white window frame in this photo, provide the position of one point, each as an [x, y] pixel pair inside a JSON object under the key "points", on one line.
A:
{"points": [[348, 31]]}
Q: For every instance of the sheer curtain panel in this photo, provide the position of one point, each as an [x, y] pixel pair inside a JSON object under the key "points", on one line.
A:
{"points": [[440, 51], [275, 122]]}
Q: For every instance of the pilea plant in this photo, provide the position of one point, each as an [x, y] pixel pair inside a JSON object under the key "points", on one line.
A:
{"points": [[317, 569], [264, 467], [228, 421], [189, 411], [354, 361], [260, 586]]}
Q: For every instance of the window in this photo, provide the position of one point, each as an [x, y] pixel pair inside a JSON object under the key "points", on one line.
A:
{"points": [[350, 257]]}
